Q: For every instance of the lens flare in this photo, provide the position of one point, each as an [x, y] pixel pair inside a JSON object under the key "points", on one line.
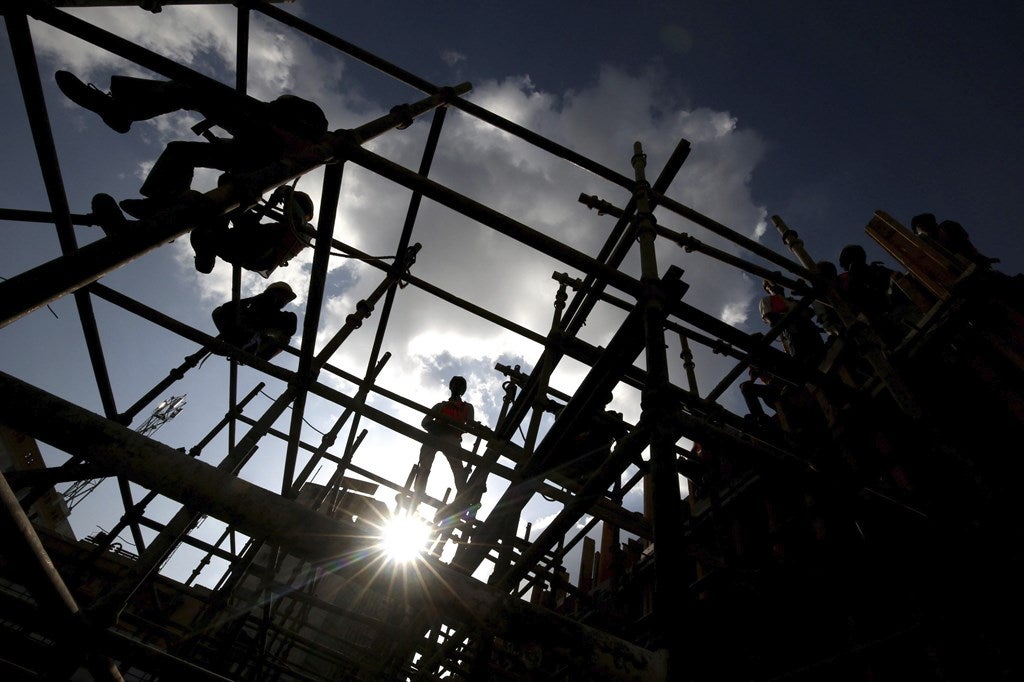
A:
{"points": [[404, 537]]}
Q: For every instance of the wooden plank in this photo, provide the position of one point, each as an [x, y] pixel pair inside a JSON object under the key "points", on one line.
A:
{"points": [[935, 270]]}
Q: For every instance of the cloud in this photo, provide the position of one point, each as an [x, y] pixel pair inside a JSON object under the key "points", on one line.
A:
{"points": [[451, 57]]}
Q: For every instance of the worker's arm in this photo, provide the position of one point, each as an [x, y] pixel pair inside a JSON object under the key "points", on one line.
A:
{"points": [[430, 419]]}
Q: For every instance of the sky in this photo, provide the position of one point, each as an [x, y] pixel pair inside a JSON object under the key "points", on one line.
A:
{"points": [[820, 113]]}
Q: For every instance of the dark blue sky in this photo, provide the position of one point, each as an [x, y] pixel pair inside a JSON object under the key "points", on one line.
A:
{"points": [[902, 106]]}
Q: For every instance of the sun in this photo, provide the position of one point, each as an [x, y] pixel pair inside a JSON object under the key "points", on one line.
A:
{"points": [[403, 537]]}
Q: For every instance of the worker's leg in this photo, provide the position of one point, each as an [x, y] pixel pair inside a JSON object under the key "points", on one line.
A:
{"points": [[753, 394], [141, 98], [460, 470], [419, 484], [172, 173], [92, 98]]}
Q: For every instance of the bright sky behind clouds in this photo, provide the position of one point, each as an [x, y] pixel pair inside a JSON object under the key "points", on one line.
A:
{"points": [[821, 115]]}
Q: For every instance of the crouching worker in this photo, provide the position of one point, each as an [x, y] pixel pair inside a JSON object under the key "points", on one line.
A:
{"points": [[258, 324], [260, 247]]}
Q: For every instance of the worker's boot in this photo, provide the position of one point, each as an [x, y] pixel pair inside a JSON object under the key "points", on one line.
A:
{"points": [[93, 99], [107, 215], [151, 206], [204, 244]]}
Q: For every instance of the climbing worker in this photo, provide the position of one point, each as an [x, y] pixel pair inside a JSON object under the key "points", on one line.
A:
{"points": [[801, 338], [444, 421], [258, 246], [258, 324], [261, 132]]}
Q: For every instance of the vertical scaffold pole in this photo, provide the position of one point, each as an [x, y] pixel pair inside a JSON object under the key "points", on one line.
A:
{"points": [[656, 406]]}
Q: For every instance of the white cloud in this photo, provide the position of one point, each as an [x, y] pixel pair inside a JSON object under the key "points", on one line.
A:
{"points": [[734, 313], [452, 57]]}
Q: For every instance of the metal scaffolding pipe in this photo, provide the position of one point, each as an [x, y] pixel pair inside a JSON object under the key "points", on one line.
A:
{"points": [[307, 370]]}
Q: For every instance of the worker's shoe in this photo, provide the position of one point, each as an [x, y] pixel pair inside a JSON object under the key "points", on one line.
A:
{"points": [[107, 215], [206, 239], [151, 206], [145, 208], [205, 263], [92, 98]]}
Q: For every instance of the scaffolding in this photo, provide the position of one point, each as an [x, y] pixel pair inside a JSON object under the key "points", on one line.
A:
{"points": [[871, 534]]}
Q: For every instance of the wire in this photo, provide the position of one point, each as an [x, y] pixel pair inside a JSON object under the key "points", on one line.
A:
{"points": [[304, 420]]}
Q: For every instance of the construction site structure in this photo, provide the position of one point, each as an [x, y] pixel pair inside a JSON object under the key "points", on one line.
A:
{"points": [[867, 529]]}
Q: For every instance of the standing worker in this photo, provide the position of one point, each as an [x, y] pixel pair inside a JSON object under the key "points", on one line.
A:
{"points": [[444, 421]]}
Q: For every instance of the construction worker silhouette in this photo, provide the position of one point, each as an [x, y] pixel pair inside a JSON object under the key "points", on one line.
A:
{"points": [[258, 246], [867, 287], [258, 324], [261, 132], [444, 420]]}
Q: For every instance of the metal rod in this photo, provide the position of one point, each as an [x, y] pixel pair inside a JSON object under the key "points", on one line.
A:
{"points": [[664, 476], [311, 320], [176, 374]]}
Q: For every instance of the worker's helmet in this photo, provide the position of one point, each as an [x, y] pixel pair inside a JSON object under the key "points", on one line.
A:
{"points": [[457, 385], [852, 253], [306, 202], [283, 290], [771, 307], [924, 223]]}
